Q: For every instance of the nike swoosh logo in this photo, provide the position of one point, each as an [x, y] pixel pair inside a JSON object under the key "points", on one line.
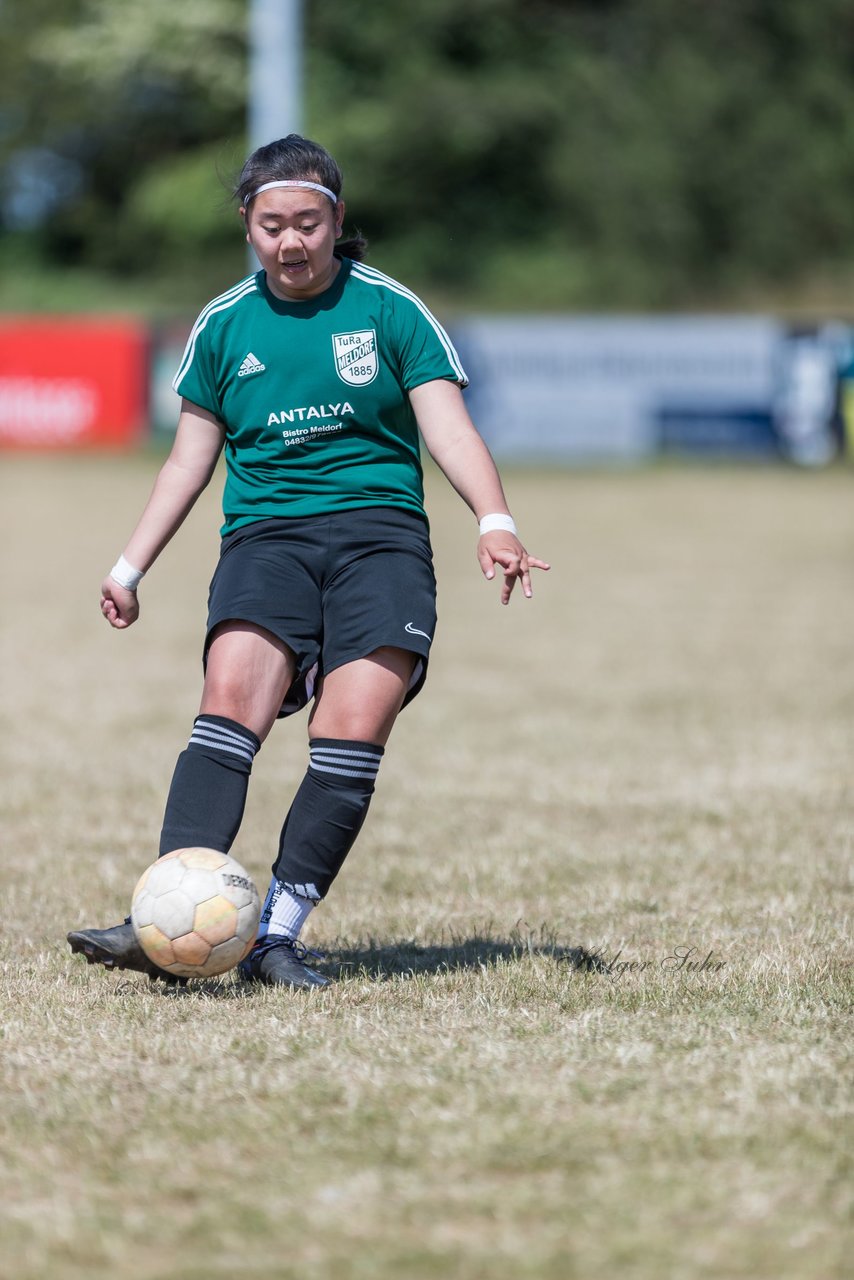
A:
{"points": [[413, 631]]}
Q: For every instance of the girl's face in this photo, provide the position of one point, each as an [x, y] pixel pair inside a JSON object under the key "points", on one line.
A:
{"points": [[293, 232]]}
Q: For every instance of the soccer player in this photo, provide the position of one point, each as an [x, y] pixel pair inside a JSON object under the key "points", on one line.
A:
{"points": [[315, 375]]}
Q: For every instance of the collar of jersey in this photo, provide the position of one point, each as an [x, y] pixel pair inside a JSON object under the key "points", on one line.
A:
{"points": [[320, 302]]}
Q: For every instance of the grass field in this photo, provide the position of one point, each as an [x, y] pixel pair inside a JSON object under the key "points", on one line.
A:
{"points": [[651, 760]]}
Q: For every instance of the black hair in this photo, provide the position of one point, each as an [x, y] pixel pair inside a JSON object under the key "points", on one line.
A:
{"points": [[296, 159]]}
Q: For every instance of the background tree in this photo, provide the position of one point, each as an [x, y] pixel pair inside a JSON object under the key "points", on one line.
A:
{"points": [[512, 153]]}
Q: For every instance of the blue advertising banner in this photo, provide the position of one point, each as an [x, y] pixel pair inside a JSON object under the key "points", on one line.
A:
{"points": [[591, 389]]}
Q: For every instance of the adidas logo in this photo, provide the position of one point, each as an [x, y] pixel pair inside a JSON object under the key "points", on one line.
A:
{"points": [[250, 365]]}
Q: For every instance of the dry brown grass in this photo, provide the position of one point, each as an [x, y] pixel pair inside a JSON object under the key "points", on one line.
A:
{"points": [[655, 753]]}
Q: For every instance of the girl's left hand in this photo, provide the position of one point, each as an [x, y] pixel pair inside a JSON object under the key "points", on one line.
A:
{"points": [[505, 550]]}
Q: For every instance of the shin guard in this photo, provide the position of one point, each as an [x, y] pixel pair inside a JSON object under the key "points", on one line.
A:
{"points": [[326, 815], [208, 792]]}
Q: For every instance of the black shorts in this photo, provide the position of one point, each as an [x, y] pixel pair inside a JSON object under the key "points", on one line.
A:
{"points": [[333, 587]]}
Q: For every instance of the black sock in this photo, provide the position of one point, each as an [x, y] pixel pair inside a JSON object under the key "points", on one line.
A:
{"points": [[208, 792], [326, 815]]}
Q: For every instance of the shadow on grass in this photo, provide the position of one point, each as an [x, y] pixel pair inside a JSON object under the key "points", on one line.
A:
{"points": [[377, 961], [381, 961]]}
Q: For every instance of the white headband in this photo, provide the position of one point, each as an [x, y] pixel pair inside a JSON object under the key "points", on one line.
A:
{"points": [[312, 186]]}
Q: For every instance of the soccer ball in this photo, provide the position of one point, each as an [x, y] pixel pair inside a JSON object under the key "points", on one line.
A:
{"points": [[195, 912]]}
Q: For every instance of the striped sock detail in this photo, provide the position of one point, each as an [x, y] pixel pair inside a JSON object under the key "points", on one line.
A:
{"points": [[345, 759], [216, 733], [327, 814]]}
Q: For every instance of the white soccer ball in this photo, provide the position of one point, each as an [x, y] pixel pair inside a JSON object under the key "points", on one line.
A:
{"points": [[195, 912]]}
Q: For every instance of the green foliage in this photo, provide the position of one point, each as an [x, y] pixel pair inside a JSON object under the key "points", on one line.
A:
{"points": [[550, 153], [181, 209], [180, 48], [130, 106]]}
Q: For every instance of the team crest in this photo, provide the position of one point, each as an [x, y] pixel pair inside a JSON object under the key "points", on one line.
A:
{"points": [[356, 356]]}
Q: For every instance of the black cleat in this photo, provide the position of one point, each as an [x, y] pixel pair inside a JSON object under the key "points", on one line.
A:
{"points": [[117, 948], [281, 964]]}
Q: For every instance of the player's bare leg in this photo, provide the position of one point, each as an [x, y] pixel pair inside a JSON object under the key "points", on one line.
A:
{"points": [[248, 673], [362, 699]]}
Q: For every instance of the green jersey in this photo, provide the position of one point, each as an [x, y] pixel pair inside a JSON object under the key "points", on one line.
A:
{"points": [[313, 395]]}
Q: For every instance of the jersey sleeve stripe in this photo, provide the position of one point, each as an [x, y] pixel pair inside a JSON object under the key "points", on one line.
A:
{"points": [[222, 303], [370, 275]]}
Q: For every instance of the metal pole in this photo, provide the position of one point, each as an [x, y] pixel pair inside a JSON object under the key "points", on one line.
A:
{"points": [[275, 69], [275, 74]]}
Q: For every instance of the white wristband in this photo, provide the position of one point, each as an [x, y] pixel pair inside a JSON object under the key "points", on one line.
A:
{"points": [[125, 574], [497, 521]]}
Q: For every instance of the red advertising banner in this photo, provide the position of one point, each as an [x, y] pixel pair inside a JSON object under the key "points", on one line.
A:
{"points": [[75, 382]]}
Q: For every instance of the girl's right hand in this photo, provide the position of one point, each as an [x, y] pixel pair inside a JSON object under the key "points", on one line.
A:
{"points": [[118, 605]]}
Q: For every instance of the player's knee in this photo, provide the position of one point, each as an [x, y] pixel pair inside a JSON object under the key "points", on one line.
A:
{"points": [[227, 694], [355, 724], [358, 729]]}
